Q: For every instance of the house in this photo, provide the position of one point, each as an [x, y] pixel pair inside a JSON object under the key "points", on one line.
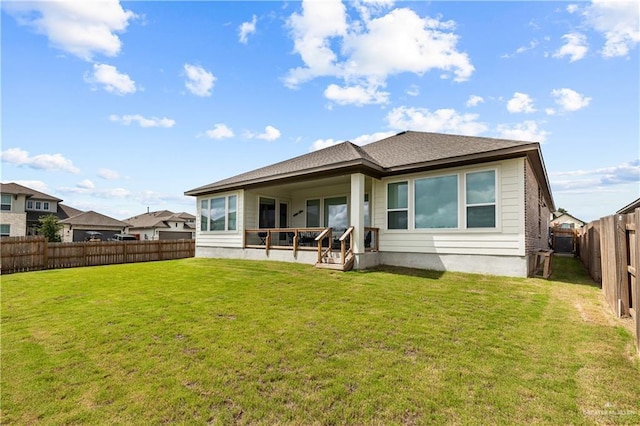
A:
{"points": [[163, 225], [416, 199], [99, 226], [630, 208], [22, 208], [565, 220]]}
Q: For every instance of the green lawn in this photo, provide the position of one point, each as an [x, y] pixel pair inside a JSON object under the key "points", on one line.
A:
{"points": [[201, 341]]}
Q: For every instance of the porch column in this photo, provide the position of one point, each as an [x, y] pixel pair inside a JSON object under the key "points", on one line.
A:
{"points": [[357, 212]]}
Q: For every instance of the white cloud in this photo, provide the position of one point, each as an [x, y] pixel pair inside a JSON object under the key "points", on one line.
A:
{"points": [[323, 143], [108, 174], [572, 8], [111, 79], [143, 121], [570, 100], [532, 45], [82, 28], [360, 140], [86, 184], [440, 121], [247, 28], [521, 102], [576, 47], [618, 22], [220, 131], [371, 48], [526, 131], [49, 162], [474, 100], [270, 134], [413, 90], [597, 178], [199, 81], [356, 95]]}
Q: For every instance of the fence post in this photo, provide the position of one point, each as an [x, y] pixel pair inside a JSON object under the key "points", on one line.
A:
{"points": [[622, 273], [45, 256]]}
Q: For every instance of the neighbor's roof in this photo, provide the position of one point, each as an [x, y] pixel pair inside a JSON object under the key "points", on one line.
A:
{"points": [[562, 215], [16, 189], [64, 212], [158, 219], [629, 208], [92, 218], [405, 152]]}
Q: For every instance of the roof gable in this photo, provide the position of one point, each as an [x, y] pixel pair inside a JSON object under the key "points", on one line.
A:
{"points": [[158, 219], [16, 189], [92, 218]]}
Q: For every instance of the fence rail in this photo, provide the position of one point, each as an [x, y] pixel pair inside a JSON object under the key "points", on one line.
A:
{"points": [[22, 254], [610, 249]]}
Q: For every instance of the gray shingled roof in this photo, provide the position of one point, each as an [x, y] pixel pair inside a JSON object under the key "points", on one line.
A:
{"points": [[92, 218], [64, 212], [158, 219], [404, 152], [14, 188]]}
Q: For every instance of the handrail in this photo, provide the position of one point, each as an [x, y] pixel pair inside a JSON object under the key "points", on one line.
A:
{"points": [[343, 250], [319, 239]]}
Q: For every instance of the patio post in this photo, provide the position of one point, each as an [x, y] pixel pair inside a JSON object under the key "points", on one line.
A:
{"points": [[357, 213]]}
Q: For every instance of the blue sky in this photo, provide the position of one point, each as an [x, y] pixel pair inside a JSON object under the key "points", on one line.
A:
{"points": [[119, 106]]}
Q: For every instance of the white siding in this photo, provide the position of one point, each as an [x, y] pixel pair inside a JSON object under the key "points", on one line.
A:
{"points": [[222, 238], [507, 239]]}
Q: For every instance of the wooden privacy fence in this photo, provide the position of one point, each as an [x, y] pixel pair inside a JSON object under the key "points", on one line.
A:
{"points": [[610, 249], [21, 254]]}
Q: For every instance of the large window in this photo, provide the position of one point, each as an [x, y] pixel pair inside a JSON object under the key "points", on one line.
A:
{"points": [[436, 202], [336, 213], [481, 199], [267, 213], [313, 213], [5, 205], [5, 230], [219, 214], [397, 205]]}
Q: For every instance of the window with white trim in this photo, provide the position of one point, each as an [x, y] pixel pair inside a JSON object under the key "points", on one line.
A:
{"points": [[436, 202], [219, 213], [480, 199], [5, 205], [5, 230], [45, 205], [398, 205], [30, 205], [38, 205]]}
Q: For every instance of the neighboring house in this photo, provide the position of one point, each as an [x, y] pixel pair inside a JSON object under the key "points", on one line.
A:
{"points": [[630, 208], [22, 208], [75, 228], [424, 200], [163, 225], [565, 220]]}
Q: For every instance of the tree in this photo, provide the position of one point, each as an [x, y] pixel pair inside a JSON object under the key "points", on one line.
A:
{"points": [[50, 228]]}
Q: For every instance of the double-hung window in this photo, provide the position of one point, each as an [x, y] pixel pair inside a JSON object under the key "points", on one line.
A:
{"points": [[219, 214], [436, 202], [5, 230], [480, 197], [398, 205], [6, 202]]}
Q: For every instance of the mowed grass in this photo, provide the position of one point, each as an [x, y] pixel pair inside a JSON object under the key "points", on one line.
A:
{"points": [[203, 341]]}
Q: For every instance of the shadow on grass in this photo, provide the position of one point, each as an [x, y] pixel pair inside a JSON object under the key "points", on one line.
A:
{"points": [[401, 270], [569, 270]]}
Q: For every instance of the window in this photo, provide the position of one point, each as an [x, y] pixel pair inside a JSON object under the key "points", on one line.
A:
{"points": [[219, 214], [5, 230], [30, 205], [335, 213], [284, 215], [397, 205], [38, 205], [313, 213], [481, 199], [204, 214], [367, 214], [45, 205], [267, 213], [5, 205], [436, 202]]}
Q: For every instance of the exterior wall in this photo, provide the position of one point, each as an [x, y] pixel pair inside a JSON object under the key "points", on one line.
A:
{"points": [[536, 214], [507, 239], [17, 223], [154, 233], [306, 257], [53, 206], [560, 220], [231, 239], [513, 266]]}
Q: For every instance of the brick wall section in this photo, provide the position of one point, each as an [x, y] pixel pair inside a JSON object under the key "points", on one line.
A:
{"points": [[536, 214], [17, 223]]}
